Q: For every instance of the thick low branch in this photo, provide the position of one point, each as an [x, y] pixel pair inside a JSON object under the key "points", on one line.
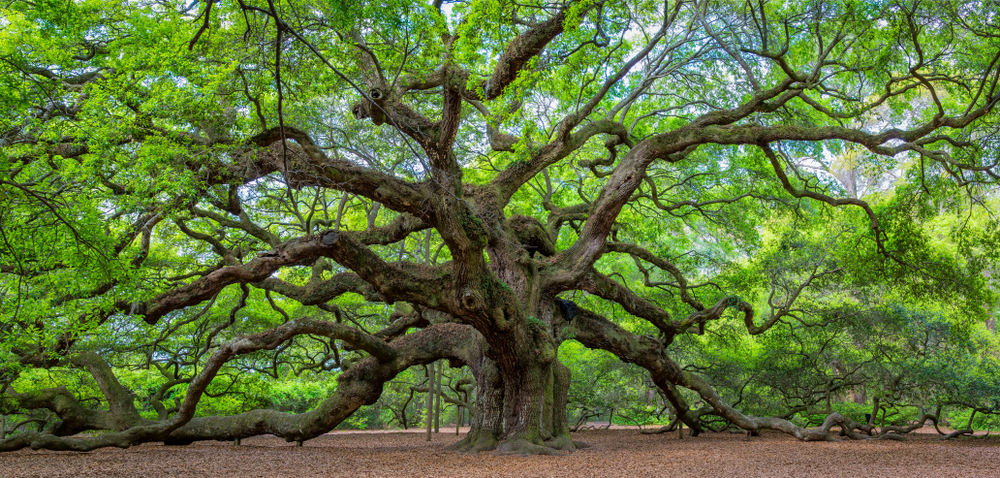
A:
{"points": [[321, 292], [360, 385], [594, 331], [121, 402], [409, 282], [609, 289], [308, 165]]}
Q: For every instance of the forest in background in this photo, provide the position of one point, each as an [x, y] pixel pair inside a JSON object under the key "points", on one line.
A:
{"points": [[223, 219]]}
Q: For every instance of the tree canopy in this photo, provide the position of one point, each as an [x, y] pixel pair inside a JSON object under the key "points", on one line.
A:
{"points": [[763, 207]]}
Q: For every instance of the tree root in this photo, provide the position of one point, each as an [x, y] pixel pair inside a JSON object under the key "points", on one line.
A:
{"points": [[563, 443], [479, 442], [957, 433], [475, 443], [672, 426], [520, 446], [751, 423]]}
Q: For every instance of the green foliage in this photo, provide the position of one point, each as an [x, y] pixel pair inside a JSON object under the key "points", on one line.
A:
{"points": [[603, 386], [299, 394], [124, 145]]}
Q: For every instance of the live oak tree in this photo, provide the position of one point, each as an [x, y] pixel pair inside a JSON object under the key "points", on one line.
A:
{"points": [[199, 189]]}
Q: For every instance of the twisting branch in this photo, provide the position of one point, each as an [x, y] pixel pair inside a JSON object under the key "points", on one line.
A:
{"points": [[779, 171], [595, 331], [522, 49], [641, 253], [314, 168], [359, 386], [400, 282]]}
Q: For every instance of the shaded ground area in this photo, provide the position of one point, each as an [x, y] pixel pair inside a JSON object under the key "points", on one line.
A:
{"points": [[618, 452]]}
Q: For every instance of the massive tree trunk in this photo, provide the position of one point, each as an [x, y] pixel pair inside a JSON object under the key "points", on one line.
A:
{"points": [[520, 402], [486, 421]]}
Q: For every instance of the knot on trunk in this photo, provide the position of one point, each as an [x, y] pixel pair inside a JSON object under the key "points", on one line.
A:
{"points": [[568, 309], [532, 235], [329, 238], [471, 300], [372, 106]]}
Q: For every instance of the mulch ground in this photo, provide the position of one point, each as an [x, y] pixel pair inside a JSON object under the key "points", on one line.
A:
{"points": [[614, 453]]}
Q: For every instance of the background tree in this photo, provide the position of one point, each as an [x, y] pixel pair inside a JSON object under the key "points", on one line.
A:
{"points": [[222, 191]]}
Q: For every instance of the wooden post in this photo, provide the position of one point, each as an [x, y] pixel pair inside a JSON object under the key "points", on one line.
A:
{"points": [[430, 400], [437, 392]]}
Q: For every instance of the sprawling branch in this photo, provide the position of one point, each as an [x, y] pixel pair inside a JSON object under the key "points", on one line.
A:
{"points": [[642, 253], [595, 331], [522, 49], [512, 178], [358, 386], [627, 176], [779, 171], [309, 166], [397, 282], [320, 292], [609, 289]]}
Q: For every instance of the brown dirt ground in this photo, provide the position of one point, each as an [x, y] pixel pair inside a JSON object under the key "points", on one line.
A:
{"points": [[614, 453]]}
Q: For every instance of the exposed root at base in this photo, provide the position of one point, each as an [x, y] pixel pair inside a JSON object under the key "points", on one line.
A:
{"points": [[520, 446], [478, 442], [564, 443]]}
